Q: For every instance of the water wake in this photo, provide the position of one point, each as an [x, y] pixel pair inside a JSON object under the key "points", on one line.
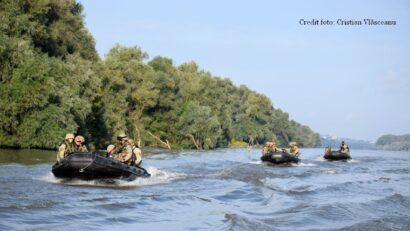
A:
{"points": [[320, 158], [157, 177], [300, 164]]}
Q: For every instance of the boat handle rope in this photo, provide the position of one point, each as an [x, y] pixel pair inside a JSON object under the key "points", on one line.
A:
{"points": [[82, 169]]}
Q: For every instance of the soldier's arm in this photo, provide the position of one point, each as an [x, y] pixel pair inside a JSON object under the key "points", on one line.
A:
{"points": [[60, 153], [115, 150], [114, 153]]}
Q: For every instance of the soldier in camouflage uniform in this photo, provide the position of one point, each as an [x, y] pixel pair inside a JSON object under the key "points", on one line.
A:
{"points": [[122, 151], [328, 149], [344, 148], [293, 149], [66, 148], [269, 147], [79, 144], [136, 158]]}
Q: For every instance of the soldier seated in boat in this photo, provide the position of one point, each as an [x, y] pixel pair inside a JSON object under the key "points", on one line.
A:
{"points": [[328, 149], [293, 149], [122, 151], [136, 158], [344, 148], [79, 145], [269, 148], [110, 150], [66, 148]]}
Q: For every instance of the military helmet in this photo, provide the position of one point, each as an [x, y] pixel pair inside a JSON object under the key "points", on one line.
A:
{"points": [[121, 136], [69, 136], [131, 141], [79, 138], [110, 148]]}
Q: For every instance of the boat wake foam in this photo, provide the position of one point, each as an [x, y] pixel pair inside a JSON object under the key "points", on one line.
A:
{"points": [[320, 158], [256, 162], [300, 164], [157, 177]]}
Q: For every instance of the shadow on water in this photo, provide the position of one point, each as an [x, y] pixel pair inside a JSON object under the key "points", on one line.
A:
{"points": [[27, 156]]}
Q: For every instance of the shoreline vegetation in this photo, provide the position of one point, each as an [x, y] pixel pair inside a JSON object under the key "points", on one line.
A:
{"points": [[53, 82], [394, 142]]}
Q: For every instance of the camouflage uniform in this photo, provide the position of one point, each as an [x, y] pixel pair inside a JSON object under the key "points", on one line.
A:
{"points": [[65, 150], [123, 153], [269, 147], [267, 150], [137, 155], [294, 150], [80, 148], [79, 144], [115, 151], [328, 149], [344, 148]]}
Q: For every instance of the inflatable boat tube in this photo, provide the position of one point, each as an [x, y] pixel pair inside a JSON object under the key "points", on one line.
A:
{"points": [[337, 155]]}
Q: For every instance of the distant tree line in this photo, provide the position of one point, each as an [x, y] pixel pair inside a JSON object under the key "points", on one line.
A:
{"points": [[52, 82], [352, 143], [393, 142]]}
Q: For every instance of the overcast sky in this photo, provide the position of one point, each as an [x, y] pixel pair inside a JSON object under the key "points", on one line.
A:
{"points": [[349, 81]]}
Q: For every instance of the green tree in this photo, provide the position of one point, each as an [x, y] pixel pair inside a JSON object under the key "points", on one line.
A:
{"points": [[52, 82], [46, 77], [197, 123]]}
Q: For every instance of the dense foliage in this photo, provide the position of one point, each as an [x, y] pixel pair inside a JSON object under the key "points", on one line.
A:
{"points": [[393, 142], [52, 82]]}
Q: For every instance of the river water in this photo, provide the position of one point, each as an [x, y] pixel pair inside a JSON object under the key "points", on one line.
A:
{"points": [[225, 189]]}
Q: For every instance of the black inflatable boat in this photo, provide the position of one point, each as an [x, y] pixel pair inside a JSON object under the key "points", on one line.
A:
{"points": [[337, 155], [90, 166], [279, 158]]}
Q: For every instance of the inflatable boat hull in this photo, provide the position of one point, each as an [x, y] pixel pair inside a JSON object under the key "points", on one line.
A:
{"points": [[336, 155], [279, 158], [90, 166]]}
